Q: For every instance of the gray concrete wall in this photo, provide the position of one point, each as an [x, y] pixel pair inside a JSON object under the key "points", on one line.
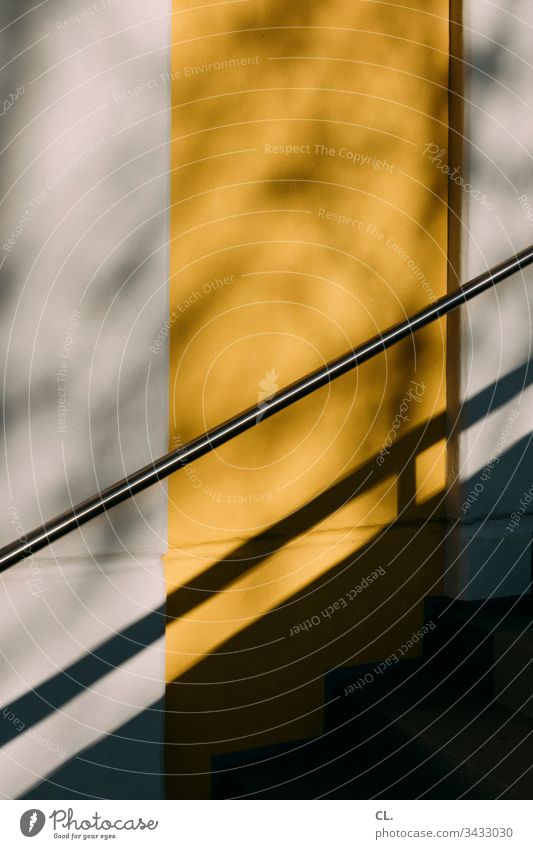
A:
{"points": [[84, 265], [491, 397]]}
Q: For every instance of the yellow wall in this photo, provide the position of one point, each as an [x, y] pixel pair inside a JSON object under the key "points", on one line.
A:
{"points": [[267, 284]]}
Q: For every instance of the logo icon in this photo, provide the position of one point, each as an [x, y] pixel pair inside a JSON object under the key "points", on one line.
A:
{"points": [[267, 387], [32, 822]]}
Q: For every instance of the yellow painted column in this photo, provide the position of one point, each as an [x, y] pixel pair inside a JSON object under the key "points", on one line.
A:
{"points": [[305, 217]]}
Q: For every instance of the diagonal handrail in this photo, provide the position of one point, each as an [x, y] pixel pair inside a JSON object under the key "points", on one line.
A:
{"points": [[169, 463]]}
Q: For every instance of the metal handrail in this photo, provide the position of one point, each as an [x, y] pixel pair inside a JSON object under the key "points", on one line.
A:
{"points": [[162, 468]]}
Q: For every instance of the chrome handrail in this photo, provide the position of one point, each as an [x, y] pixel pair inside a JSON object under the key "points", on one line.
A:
{"points": [[79, 514]]}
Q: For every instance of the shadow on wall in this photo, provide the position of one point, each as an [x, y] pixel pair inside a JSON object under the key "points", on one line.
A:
{"points": [[130, 750], [243, 687], [84, 198], [257, 630], [490, 339], [305, 217], [83, 256]]}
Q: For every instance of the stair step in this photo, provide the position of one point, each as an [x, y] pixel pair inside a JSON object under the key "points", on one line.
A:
{"points": [[513, 671], [340, 764], [447, 725], [487, 747]]}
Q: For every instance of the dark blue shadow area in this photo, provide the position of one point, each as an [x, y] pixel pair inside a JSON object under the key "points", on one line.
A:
{"points": [[35, 705], [430, 727], [512, 464], [510, 386], [118, 765], [506, 484], [123, 765]]}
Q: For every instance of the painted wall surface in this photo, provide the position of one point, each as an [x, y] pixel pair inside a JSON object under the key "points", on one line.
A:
{"points": [[84, 269], [306, 215], [308, 210], [491, 397]]}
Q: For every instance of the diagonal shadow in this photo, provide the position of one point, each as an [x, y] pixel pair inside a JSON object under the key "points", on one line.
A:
{"points": [[373, 547], [255, 550], [56, 691], [244, 693], [84, 775]]}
